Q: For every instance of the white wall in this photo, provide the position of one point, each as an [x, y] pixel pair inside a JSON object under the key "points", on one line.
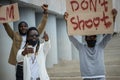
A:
{"points": [[5, 47], [5, 68], [52, 57], [64, 44], [55, 6]]}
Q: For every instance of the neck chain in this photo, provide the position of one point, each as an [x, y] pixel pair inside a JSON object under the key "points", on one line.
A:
{"points": [[33, 58]]}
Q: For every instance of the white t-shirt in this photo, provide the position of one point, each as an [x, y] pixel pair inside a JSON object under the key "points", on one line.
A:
{"points": [[23, 42]]}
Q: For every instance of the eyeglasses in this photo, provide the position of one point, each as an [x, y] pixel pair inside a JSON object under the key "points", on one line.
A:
{"points": [[36, 35]]}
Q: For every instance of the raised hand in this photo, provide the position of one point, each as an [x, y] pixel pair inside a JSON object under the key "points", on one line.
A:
{"points": [[27, 50], [114, 13], [45, 8], [45, 36], [66, 16]]}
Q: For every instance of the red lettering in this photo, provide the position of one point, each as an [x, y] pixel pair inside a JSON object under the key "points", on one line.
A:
{"points": [[89, 23], [10, 12], [74, 23], [93, 4], [88, 4], [84, 5], [99, 1], [104, 4], [96, 22], [104, 19], [80, 23], [77, 25], [2, 18], [73, 3]]}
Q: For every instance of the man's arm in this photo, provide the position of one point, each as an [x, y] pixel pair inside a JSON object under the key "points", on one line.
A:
{"points": [[46, 43], [75, 42], [108, 37], [105, 40], [8, 29], [20, 56], [42, 24]]}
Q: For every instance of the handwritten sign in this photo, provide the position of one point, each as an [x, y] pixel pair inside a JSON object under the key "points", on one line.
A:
{"points": [[9, 13], [89, 17]]}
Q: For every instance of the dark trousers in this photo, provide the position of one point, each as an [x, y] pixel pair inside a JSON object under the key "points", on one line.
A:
{"points": [[94, 79], [19, 72], [36, 79]]}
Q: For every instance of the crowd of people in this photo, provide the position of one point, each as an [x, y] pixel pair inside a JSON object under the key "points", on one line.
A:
{"points": [[28, 54]]}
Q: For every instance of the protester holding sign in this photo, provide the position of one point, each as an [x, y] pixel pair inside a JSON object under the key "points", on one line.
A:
{"points": [[20, 37], [91, 54]]}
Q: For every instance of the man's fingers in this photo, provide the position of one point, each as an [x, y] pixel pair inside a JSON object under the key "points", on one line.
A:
{"points": [[45, 5], [66, 15], [30, 50], [114, 12]]}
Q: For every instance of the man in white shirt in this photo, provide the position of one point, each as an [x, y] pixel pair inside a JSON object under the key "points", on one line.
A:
{"points": [[33, 57]]}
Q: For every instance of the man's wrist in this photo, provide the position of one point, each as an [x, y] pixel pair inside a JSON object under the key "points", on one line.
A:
{"points": [[45, 12]]}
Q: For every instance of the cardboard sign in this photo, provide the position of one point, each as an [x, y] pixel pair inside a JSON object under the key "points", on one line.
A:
{"points": [[89, 17], [9, 13]]}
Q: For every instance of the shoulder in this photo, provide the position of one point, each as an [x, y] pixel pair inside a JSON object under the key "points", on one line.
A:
{"points": [[17, 35]]}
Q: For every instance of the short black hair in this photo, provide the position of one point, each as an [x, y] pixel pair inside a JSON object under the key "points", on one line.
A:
{"points": [[89, 36], [30, 29], [22, 22]]}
